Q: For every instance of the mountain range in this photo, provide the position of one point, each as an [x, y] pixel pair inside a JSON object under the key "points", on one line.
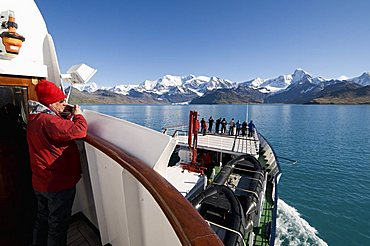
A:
{"points": [[298, 87]]}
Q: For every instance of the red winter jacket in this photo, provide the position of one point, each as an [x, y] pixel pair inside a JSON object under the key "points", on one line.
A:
{"points": [[54, 156]]}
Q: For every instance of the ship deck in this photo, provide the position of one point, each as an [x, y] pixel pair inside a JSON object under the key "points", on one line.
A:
{"points": [[225, 143], [82, 233]]}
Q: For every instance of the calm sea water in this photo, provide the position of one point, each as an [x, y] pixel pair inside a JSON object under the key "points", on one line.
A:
{"points": [[325, 197]]}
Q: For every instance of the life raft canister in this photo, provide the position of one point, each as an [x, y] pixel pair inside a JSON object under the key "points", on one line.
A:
{"points": [[11, 40]]}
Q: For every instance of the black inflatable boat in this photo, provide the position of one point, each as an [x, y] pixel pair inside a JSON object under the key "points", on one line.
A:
{"points": [[232, 203]]}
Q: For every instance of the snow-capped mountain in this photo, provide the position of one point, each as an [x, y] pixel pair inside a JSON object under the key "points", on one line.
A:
{"points": [[363, 80], [297, 87], [215, 83], [254, 83], [122, 89], [89, 87], [93, 87], [161, 86], [186, 84], [304, 82], [306, 89], [282, 82]]}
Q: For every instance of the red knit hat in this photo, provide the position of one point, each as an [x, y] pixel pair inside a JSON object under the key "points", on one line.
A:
{"points": [[48, 93]]}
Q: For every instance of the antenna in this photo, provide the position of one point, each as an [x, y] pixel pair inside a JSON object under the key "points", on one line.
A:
{"points": [[78, 74]]}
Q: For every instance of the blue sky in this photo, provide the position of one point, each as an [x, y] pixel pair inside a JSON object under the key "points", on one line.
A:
{"points": [[131, 41]]}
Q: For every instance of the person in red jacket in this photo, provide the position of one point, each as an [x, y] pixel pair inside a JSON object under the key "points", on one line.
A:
{"points": [[55, 162]]}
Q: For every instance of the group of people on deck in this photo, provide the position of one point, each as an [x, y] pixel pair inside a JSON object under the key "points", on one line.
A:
{"points": [[235, 128]]}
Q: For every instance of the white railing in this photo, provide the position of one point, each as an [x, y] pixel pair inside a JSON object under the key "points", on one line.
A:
{"points": [[228, 229], [222, 142]]}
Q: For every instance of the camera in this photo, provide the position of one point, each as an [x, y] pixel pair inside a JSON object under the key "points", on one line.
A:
{"points": [[68, 111], [69, 108]]}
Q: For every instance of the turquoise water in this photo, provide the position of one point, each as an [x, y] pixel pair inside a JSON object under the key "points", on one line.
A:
{"points": [[325, 197]]}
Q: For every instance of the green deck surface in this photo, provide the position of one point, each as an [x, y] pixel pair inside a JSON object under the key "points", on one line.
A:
{"points": [[266, 217], [261, 238]]}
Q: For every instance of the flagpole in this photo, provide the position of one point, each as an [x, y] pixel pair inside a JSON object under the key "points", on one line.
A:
{"points": [[246, 115]]}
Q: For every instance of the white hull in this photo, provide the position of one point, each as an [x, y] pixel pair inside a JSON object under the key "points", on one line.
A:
{"points": [[126, 212]]}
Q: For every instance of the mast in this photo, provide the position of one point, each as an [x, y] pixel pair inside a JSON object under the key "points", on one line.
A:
{"points": [[247, 113]]}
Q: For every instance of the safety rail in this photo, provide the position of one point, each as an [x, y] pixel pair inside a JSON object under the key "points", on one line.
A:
{"points": [[187, 223], [175, 129], [276, 196], [222, 142], [227, 229]]}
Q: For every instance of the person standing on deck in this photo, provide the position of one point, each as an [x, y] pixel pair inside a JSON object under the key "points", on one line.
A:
{"points": [[244, 128], [210, 124], [55, 162], [238, 127], [218, 122], [251, 128], [231, 127], [223, 126], [202, 125]]}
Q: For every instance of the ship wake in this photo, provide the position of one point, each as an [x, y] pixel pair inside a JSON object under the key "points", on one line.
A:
{"points": [[292, 229]]}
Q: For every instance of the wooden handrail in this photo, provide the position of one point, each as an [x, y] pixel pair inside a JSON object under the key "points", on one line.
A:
{"points": [[188, 224]]}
